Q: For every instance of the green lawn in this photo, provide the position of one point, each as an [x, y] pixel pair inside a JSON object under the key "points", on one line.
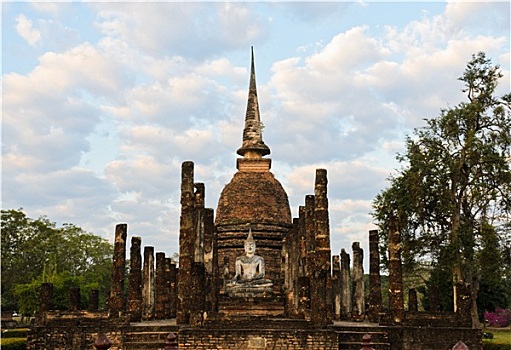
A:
{"points": [[501, 336]]}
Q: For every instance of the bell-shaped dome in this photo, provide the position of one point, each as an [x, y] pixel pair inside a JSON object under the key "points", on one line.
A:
{"points": [[253, 198]]}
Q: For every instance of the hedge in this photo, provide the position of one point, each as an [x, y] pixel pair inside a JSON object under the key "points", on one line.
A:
{"points": [[14, 343], [15, 333], [495, 346]]}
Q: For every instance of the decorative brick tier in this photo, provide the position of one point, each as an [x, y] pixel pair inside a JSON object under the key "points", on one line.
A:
{"points": [[271, 306]]}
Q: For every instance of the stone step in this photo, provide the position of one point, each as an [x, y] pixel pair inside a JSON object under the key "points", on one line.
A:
{"points": [[356, 336], [350, 338], [148, 335], [143, 345], [359, 345], [254, 322]]}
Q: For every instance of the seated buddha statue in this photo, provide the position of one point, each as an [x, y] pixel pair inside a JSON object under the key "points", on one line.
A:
{"points": [[249, 278]]}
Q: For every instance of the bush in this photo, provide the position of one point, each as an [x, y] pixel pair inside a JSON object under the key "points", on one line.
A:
{"points": [[15, 333], [14, 343], [499, 318]]}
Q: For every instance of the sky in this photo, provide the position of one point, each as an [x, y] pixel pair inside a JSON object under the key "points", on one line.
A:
{"points": [[103, 101]]}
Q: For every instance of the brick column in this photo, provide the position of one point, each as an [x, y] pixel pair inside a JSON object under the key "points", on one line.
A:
{"points": [[168, 289], [321, 301], [117, 300], [186, 291], [148, 284], [310, 241], [396, 303], [345, 285], [173, 289], [358, 281], [464, 303], [302, 243], [412, 300], [74, 299], [135, 280], [94, 300], [434, 299], [211, 260], [159, 287], [199, 194], [374, 277], [198, 271], [45, 300], [336, 286]]}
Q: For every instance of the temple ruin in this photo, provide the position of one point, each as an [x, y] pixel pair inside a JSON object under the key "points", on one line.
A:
{"points": [[251, 276]]}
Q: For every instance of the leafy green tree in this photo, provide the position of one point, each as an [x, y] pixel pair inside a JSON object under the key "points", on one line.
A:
{"points": [[492, 290], [36, 251], [455, 178]]}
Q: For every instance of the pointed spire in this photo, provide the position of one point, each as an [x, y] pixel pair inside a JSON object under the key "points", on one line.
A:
{"points": [[253, 145], [250, 238]]}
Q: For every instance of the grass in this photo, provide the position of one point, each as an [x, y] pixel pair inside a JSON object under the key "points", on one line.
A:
{"points": [[501, 338], [14, 339]]}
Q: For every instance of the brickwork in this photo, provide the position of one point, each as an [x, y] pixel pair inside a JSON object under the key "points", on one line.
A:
{"points": [[74, 330], [345, 285], [375, 298], [258, 200], [396, 299], [308, 287], [135, 280], [321, 301], [148, 284], [230, 339], [186, 244], [117, 300], [74, 299], [358, 282], [336, 286]]}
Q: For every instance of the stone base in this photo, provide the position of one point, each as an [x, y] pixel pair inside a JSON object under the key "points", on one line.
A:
{"points": [[263, 291], [263, 305]]}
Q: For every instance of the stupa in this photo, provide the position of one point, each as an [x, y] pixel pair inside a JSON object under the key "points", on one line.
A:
{"points": [[254, 200]]}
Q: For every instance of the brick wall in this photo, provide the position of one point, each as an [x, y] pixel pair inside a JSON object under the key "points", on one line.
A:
{"points": [[230, 339]]}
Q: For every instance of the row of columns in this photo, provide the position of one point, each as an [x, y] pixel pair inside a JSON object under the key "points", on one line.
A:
{"points": [[198, 259], [152, 289], [307, 268]]}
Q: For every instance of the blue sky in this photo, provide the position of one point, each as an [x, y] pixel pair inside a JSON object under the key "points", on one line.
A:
{"points": [[103, 101]]}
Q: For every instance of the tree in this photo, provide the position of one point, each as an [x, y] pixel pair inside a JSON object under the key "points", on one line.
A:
{"points": [[492, 291], [31, 249], [456, 179]]}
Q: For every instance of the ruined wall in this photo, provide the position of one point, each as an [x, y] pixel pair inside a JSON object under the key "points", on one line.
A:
{"points": [[433, 338], [235, 339], [66, 330]]}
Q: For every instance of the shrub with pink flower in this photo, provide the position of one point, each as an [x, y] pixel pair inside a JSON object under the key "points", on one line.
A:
{"points": [[499, 318]]}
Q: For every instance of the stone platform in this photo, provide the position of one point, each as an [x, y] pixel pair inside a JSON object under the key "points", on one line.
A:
{"points": [[270, 305]]}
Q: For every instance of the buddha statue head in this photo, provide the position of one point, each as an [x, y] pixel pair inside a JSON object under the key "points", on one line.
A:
{"points": [[250, 245]]}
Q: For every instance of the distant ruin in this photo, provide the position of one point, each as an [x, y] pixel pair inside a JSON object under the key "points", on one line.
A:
{"points": [[306, 298]]}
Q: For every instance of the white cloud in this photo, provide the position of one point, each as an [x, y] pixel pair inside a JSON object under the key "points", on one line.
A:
{"points": [[167, 82], [25, 29], [172, 28]]}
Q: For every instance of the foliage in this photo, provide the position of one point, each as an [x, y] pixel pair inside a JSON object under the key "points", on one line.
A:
{"points": [[36, 251], [499, 318], [492, 289], [455, 184], [13, 343]]}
